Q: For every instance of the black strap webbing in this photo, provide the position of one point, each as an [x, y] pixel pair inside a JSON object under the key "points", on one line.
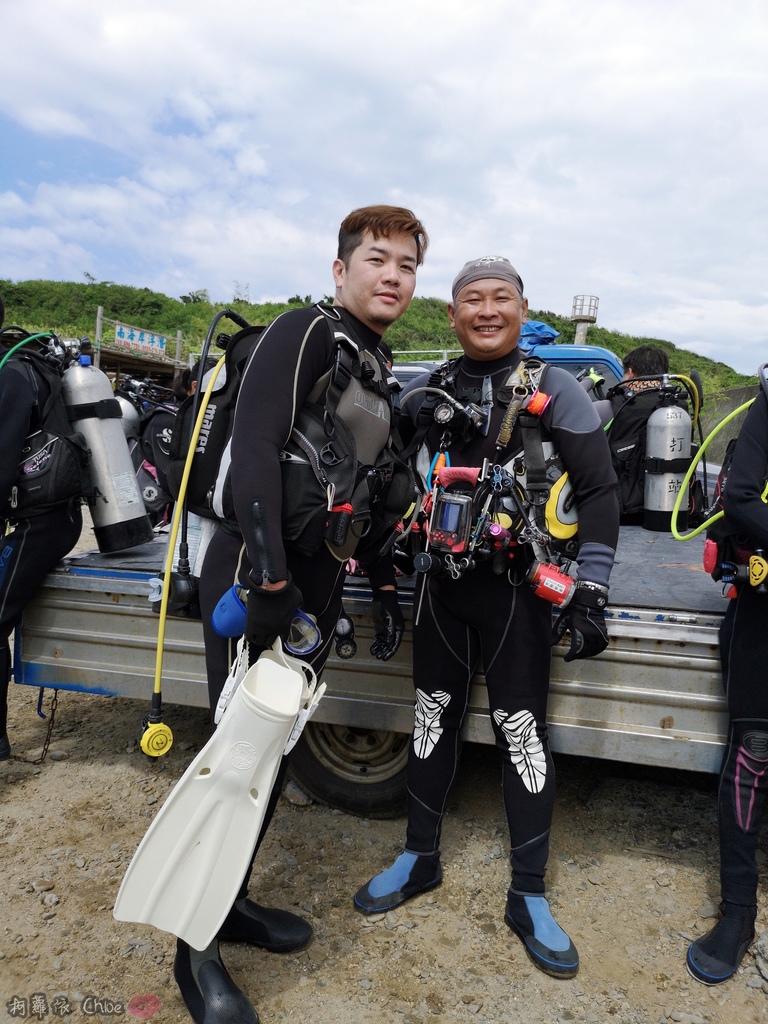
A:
{"points": [[536, 485], [653, 465], [106, 409]]}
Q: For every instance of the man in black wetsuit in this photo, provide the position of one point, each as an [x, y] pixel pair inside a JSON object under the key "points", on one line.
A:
{"points": [[715, 957], [380, 248], [488, 611]]}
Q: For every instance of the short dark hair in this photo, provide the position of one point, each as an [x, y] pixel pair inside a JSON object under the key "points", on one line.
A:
{"points": [[646, 360], [382, 222], [182, 382]]}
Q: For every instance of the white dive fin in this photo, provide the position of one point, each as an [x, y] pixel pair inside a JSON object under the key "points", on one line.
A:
{"points": [[188, 868], [235, 677]]}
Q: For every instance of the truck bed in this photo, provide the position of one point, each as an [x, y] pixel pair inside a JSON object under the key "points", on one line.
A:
{"points": [[653, 697]]}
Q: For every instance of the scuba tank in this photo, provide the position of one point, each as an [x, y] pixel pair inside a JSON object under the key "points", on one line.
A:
{"points": [[130, 417], [668, 456], [119, 517]]}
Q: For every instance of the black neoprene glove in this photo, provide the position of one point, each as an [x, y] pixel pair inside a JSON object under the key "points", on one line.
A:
{"points": [[584, 618], [270, 613], [390, 624]]}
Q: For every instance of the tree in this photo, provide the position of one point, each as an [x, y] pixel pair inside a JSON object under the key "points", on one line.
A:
{"points": [[201, 295]]}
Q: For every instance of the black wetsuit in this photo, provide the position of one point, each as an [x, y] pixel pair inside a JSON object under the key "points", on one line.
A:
{"points": [[36, 542], [483, 615], [744, 656], [288, 360]]}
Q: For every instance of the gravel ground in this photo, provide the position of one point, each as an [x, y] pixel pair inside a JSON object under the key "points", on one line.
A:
{"points": [[633, 877]]}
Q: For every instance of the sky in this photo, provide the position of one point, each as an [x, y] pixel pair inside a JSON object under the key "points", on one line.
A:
{"points": [[617, 148]]}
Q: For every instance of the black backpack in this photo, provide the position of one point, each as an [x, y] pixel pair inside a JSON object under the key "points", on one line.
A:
{"points": [[55, 463], [215, 431], [626, 434], [626, 439]]}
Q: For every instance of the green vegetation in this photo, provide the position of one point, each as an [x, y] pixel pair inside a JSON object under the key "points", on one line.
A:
{"points": [[69, 308], [715, 376]]}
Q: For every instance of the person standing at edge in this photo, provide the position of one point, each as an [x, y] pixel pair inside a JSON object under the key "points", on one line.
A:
{"points": [[715, 957], [481, 614], [35, 539], [291, 363]]}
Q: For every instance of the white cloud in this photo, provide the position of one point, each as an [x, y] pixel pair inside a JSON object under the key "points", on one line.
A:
{"points": [[617, 150]]}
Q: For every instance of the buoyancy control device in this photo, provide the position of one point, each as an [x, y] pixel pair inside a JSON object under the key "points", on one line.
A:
{"points": [[488, 512], [77, 412], [54, 463], [216, 428], [730, 556], [148, 419], [342, 484], [650, 434], [119, 517]]}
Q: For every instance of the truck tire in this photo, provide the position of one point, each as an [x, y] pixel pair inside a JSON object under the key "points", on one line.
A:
{"points": [[361, 771]]}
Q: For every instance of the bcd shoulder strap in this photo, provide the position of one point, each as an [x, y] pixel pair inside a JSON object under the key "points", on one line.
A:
{"points": [[536, 481], [324, 462], [348, 363], [442, 377]]}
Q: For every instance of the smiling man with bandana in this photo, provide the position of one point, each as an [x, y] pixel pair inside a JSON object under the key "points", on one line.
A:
{"points": [[480, 614]]}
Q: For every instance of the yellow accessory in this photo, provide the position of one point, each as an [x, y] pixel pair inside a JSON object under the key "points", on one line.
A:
{"points": [[561, 511], [758, 570]]}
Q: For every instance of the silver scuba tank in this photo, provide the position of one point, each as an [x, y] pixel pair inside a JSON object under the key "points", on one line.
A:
{"points": [[131, 421], [119, 517], [668, 456]]}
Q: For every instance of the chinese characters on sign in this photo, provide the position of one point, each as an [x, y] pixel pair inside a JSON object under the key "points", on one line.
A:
{"points": [[138, 340]]}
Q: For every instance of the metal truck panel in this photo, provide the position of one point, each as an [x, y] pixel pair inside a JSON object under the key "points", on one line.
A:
{"points": [[654, 697]]}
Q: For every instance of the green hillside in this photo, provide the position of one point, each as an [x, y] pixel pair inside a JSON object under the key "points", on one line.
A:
{"points": [[69, 308]]}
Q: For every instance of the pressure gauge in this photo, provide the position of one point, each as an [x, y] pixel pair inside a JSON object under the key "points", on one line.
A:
{"points": [[344, 636], [443, 413]]}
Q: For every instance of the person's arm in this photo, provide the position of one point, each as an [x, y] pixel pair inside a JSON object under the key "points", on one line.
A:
{"points": [[746, 492], [580, 440], [17, 400], [287, 360]]}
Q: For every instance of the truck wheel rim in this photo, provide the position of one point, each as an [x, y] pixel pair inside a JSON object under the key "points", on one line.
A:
{"points": [[364, 755]]}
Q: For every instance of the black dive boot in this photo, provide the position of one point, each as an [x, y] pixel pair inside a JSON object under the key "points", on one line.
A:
{"points": [[277, 931], [5, 747], [716, 956], [411, 874], [208, 992], [547, 945]]}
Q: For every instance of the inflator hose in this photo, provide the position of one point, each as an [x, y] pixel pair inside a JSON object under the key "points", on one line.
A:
{"points": [[24, 341], [160, 743], [157, 737], [689, 473]]}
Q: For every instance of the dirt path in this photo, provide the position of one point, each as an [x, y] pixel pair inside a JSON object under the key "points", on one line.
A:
{"points": [[633, 877]]}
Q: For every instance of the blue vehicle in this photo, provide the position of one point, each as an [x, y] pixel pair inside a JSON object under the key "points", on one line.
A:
{"points": [[540, 340]]}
